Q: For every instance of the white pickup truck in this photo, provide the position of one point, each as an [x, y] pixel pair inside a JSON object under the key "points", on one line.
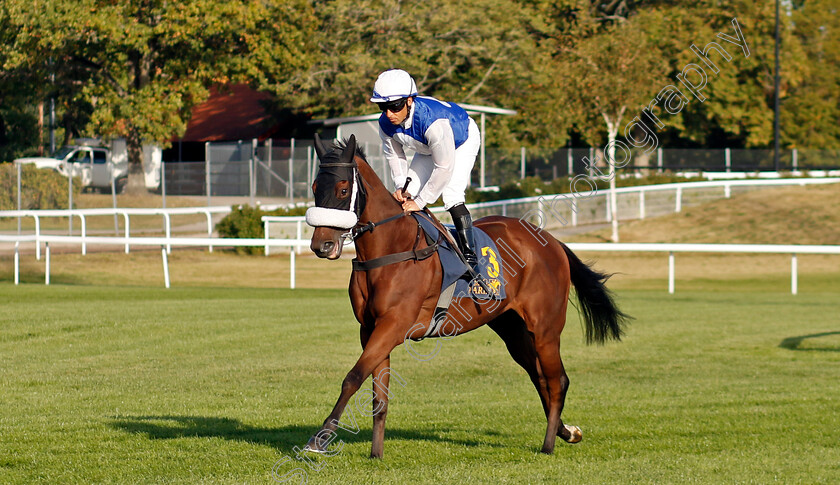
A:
{"points": [[94, 165]]}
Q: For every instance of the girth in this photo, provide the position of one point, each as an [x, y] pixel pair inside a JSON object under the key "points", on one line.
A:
{"points": [[414, 254]]}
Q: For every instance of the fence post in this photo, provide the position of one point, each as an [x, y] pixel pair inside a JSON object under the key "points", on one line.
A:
{"points": [[165, 267], [641, 204], [292, 269], [84, 233], [70, 198], [299, 234], [114, 197], [163, 180], [47, 276], [522, 162], [794, 283], [168, 227], [728, 160], [18, 194], [678, 207], [37, 237], [209, 230], [269, 148], [267, 235], [608, 202], [207, 170], [308, 166], [17, 263], [795, 160], [290, 190], [483, 139], [569, 160], [252, 176], [671, 272], [659, 159], [126, 219]]}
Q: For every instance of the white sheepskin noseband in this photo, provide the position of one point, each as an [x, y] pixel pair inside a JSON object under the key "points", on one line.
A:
{"points": [[321, 216], [344, 219]]}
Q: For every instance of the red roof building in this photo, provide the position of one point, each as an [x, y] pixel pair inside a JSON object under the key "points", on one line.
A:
{"points": [[231, 113]]}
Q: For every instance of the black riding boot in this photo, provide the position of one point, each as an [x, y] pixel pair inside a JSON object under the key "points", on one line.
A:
{"points": [[464, 229]]}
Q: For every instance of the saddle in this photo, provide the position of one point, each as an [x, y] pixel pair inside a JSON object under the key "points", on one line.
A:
{"points": [[457, 281]]}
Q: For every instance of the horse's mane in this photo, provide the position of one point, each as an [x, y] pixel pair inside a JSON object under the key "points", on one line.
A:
{"points": [[342, 145]]}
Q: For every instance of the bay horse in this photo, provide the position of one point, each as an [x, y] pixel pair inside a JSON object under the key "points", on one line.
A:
{"points": [[391, 297]]}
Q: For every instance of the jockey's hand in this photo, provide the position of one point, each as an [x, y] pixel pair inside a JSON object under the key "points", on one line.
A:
{"points": [[400, 196], [410, 206]]}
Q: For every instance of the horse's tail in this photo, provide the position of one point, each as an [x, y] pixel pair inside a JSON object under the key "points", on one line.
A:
{"points": [[601, 316]]}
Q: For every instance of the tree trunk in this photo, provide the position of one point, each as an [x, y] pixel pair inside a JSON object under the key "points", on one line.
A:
{"points": [[613, 196], [612, 132], [136, 178]]}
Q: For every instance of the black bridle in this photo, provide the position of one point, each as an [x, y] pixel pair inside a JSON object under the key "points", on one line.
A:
{"points": [[345, 162]]}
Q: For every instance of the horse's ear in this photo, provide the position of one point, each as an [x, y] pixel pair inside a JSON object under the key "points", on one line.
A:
{"points": [[349, 153], [320, 149]]}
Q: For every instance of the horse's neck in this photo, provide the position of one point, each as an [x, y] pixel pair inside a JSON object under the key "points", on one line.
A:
{"points": [[395, 236]]}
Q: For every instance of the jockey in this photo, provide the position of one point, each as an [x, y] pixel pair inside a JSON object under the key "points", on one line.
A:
{"points": [[445, 141]]}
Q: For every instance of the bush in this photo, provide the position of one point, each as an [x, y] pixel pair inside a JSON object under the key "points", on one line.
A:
{"points": [[246, 222], [40, 188]]}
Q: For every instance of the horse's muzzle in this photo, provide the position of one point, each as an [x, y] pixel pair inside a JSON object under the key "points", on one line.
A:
{"points": [[326, 249]]}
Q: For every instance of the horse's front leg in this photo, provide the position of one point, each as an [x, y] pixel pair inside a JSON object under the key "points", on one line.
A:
{"points": [[382, 341], [381, 380]]}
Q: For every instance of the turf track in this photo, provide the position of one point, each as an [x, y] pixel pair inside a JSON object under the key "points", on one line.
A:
{"points": [[208, 385]]}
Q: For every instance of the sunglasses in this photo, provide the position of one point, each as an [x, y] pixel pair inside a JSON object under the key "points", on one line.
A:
{"points": [[393, 106]]}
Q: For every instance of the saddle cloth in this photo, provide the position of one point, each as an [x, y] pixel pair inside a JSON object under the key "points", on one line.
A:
{"points": [[455, 271]]}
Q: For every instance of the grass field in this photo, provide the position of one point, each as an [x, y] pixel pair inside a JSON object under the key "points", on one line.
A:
{"points": [[211, 385], [107, 377]]}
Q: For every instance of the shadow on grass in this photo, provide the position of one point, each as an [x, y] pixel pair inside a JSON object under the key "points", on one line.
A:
{"points": [[283, 439], [793, 343]]}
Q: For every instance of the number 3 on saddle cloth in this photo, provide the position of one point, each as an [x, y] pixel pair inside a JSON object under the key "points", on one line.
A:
{"points": [[456, 281]]}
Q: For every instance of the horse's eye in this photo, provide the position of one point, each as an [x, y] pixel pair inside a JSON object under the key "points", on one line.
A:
{"points": [[343, 191]]}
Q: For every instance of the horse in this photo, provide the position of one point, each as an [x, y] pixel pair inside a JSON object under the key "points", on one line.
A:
{"points": [[396, 283]]}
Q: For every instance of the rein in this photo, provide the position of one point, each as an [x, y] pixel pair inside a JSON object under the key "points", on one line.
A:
{"points": [[357, 206], [359, 230]]}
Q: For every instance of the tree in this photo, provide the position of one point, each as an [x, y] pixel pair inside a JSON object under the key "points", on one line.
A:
{"points": [[811, 115], [474, 51], [143, 64], [611, 72]]}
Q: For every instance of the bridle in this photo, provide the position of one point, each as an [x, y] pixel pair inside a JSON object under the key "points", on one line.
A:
{"points": [[349, 218], [360, 228]]}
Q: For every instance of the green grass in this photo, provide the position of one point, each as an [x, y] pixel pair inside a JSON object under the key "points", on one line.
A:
{"points": [[211, 385]]}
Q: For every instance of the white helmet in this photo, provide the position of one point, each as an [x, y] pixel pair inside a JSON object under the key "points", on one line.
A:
{"points": [[393, 84]]}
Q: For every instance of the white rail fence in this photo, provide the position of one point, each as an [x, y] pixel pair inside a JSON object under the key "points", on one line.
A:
{"points": [[166, 242], [636, 204], [792, 249]]}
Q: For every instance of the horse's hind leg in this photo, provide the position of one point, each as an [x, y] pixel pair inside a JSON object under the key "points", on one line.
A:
{"points": [[520, 344], [558, 383]]}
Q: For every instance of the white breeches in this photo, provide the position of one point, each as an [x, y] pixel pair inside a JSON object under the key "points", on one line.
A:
{"points": [[421, 168]]}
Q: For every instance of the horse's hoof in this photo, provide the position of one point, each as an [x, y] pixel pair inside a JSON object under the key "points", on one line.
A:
{"points": [[575, 435], [313, 447]]}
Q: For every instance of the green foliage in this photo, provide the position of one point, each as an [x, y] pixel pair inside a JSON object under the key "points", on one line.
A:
{"points": [[472, 51], [136, 68], [245, 221], [40, 188]]}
